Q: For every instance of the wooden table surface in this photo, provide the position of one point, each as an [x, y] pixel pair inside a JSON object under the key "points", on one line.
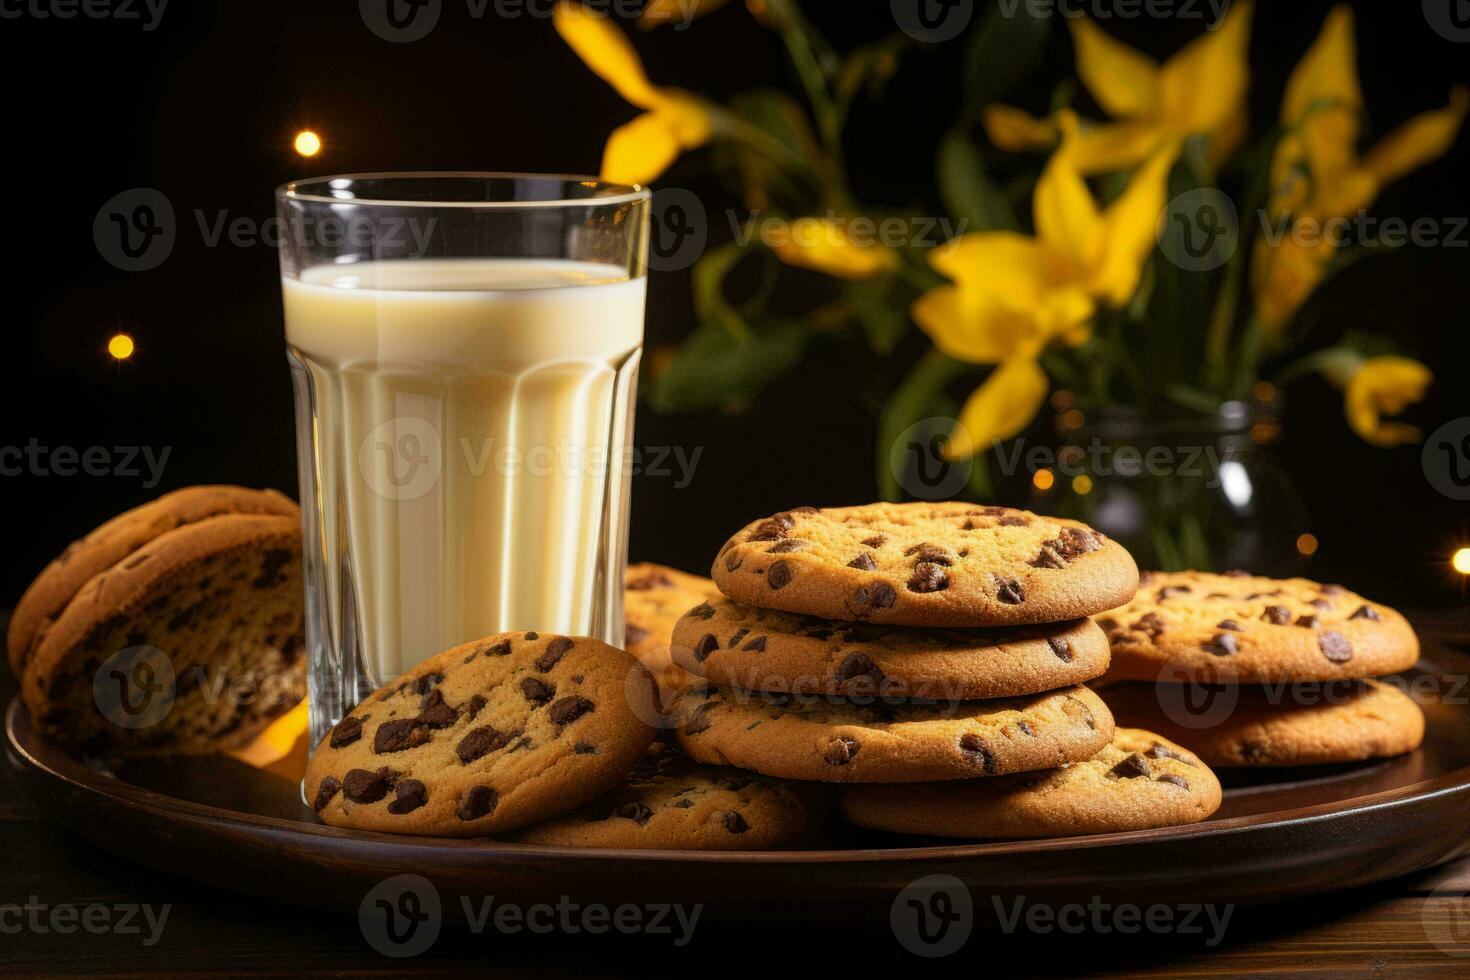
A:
{"points": [[1419, 925]]}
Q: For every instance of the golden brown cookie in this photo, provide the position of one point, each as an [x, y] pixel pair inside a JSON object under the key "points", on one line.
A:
{"points": [[115, 540], [1239, 628], [1138, 782], [485, 738], [835, 740], [655, 597], [735, 645], [669, 802], [1305, 724], [191, 643], [926, 564]]}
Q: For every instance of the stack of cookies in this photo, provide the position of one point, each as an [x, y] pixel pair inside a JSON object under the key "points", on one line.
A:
{"points": [[1252, 671], [195, 597], [931, 656]]}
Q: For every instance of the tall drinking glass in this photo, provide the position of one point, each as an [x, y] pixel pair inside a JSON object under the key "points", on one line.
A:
{"points": [[464, 349]]}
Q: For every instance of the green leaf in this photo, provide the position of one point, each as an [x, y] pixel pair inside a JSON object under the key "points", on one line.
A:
{"points": [[1006, 46], [781, 116], [775, 117], [708, 286], [969, 195], [715, 370], [1187, 396]]}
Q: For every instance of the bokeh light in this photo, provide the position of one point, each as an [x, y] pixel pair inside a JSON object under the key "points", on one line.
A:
{"points": [[121, 347], [308, 143]]}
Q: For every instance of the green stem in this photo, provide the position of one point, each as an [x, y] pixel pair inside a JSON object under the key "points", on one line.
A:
{"points": [[909, 403], [1223, 318], [802, 43], [1247, 363], [738, 130]]}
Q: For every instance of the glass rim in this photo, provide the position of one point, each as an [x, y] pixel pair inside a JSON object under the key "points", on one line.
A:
{"points": [[618, 193]]}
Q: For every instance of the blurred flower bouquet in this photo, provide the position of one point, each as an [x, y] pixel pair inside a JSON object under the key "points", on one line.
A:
{"points": [[1130, 254]]}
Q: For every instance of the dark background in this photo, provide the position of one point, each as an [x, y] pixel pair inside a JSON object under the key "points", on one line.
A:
{"points": [[204, 109]]}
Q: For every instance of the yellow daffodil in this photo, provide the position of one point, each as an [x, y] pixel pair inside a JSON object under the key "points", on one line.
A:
{"points": [[828, 245], [657, 13], [1317, 176], [1285, 274], [674, 122], [1014, 294], [1385, 386], [1201, 90]]}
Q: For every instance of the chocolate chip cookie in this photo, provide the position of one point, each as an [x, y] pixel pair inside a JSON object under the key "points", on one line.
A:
{"points": [[1138, 782], [1246, 629], [488, 737], [926, 564], [671, 802], [191, 643], [654, 598], [735, 645], [1304, 724], [114, 541], [835, 740]]}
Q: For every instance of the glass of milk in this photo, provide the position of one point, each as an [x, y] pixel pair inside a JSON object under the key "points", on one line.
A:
{"points": [[464, 349]]}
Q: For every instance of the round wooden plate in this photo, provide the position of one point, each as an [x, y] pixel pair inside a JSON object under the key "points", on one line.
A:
{"points": [[1279, 835]]}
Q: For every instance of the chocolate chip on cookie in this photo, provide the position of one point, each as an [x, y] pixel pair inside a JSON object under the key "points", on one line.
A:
{"points": [[656, 597], [671, 802], [468, 744], [836, 740], [1318, 723], [926, 564], [1116, 790], [771, 650], [1252, 630], [217, 598]]}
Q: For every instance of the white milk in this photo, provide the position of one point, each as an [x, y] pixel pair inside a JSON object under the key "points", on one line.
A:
{"points": [[470, 421]]}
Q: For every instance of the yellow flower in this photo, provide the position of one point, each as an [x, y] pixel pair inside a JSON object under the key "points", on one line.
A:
{"points": [[1014, 294], [1317, 175], [1285, 274], [1317, 171], [826, 245], [659, 12], [1014, 130], [676, 121], [1385, 386], [1000, 408], [1199, 90]]}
